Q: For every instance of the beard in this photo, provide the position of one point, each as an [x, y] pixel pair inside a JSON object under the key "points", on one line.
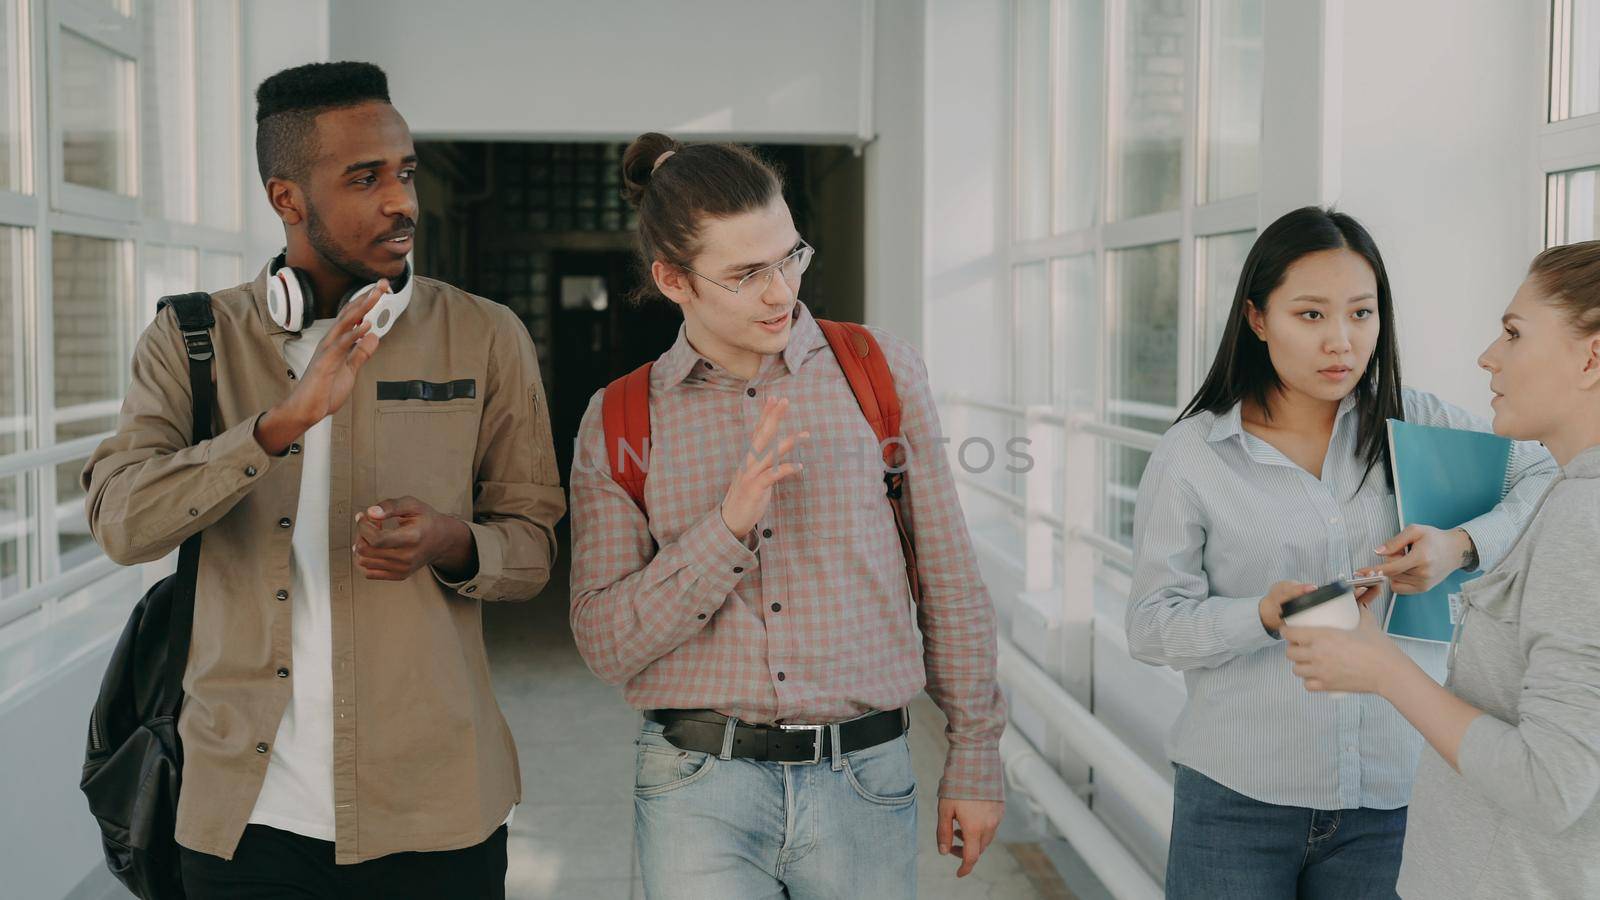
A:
{"points": [[323, 242]]}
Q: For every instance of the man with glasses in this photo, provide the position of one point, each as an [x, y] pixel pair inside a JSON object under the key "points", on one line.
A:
{"points": [[756, 606]]}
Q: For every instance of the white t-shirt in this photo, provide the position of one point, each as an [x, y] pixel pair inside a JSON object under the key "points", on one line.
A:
{"points": [[297, 794]]}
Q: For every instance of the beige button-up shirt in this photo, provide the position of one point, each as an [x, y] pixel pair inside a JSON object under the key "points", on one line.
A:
{"points": [[423, 759]]}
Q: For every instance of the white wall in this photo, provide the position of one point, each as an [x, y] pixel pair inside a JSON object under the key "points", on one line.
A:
{"points": [[751, 69], [278, 34], [1441, 102], [894, 172]]}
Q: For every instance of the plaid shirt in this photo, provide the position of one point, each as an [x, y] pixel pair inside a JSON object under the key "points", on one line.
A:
{"points": [[810, 620]]}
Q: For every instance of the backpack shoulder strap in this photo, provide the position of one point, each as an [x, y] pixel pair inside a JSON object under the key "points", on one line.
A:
{"points": [[195, 320], [866, 368], [625, 412]]}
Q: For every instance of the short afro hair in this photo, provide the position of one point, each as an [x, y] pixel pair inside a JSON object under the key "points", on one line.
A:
{"points": [[287, 105]]}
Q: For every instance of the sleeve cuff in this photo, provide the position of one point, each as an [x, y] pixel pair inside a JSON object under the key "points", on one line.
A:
{"points": [[491, 557], [721, 558], [973, 773], [237, 458], [1241, 629], [1489, 539]]}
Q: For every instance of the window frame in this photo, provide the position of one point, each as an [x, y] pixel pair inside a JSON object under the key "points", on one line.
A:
{"points": [[1566, 144], [46, 208]]}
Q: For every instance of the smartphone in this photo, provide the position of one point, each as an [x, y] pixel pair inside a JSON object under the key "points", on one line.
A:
{"points": [[1361, 581]]}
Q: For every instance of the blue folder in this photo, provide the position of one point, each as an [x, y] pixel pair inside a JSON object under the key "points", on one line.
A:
{"points": [[1445, 478]]}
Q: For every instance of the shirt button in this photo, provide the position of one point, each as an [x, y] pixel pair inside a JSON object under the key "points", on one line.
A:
{"points": [[283, 673], [293, 449], [777, 607], [701, 616], [250, 471], [472, 588], [1333, 521], [291, 374], [749, 392], [282, 595], [261, 748], [766, 532], [782, 677], [193, 511], [738, 570], [285, 522]]}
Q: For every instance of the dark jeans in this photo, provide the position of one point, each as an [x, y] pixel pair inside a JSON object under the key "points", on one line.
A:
{"points": [[1227, 846], [270, 864]]}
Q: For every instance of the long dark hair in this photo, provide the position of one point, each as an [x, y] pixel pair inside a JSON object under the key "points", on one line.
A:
{"points": [[1243, 369]]}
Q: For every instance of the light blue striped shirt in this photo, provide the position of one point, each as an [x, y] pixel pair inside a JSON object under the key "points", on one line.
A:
{"points": [[1223, 515]]}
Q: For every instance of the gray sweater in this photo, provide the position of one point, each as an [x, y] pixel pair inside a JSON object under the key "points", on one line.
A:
{"points": [[1521, 819]]}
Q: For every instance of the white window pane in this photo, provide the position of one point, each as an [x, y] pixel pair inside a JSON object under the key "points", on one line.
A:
{"points": [[1143, 388], [16, 370], [167, 271], [1222, 259], [1077, 341], [94, 106], [1144, 337], [13, 138], [220, 270], [1232, 139], [168, 138], [90, 293], [1033, 328], [1578, 194], [1150, 109], [218, 114], [1033, 119], [1078, 332], [19, 531], [1584, 58], [1080, 35], [75, 545]]}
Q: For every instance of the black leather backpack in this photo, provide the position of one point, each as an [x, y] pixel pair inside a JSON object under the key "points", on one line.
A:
{"points": [[134, 762]]}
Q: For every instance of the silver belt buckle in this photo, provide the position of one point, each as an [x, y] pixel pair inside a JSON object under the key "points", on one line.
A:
{"points": [[816, 746]]}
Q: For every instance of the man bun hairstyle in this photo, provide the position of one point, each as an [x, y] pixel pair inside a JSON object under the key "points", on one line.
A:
{"points": [[674, 186], [287, 105]]}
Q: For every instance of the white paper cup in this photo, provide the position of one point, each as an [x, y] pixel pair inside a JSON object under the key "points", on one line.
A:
{"points": [[1330, 606]]}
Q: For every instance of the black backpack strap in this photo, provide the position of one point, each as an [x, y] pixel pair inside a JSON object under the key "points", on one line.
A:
{"points": [[195, 321]]}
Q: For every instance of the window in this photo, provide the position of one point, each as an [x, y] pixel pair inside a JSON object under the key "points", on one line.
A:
{"points": [[1151, 123], [142, 167], [1570, 143], [1574, 201], [1575, 59], [1149, 105], [13, 90], [1231, 57], [1221, 259], [93, 85]]}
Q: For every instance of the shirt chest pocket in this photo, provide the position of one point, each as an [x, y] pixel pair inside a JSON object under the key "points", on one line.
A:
{"points": [[1496, 595], [425, 450]]}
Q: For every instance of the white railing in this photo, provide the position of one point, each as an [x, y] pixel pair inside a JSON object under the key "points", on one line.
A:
{"points": [[1075, 536]]}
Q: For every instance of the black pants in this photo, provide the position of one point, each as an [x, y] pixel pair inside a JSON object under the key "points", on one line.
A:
{"points": [[270, 864]]}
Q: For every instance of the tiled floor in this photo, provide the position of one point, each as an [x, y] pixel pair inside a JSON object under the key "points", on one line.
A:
{"points": [[572, 837]]}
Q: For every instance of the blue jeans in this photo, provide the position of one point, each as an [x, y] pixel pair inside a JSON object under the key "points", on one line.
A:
{"points": [[1226, 845], [710, 828]]}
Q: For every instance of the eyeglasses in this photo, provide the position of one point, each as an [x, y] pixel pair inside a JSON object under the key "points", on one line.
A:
{"points": [[792, 266]]}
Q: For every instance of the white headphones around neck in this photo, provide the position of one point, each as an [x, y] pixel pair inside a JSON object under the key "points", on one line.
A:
{"points": [[290, 298]]}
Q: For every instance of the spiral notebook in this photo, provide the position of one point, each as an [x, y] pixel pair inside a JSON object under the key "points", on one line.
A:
{"points": [[1443, 477]]}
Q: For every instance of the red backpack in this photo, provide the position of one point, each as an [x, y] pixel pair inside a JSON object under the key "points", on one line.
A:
{"points": [[625, 411]]}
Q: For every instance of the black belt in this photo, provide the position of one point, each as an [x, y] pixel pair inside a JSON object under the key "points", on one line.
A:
{"points": [[703, 731]]}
